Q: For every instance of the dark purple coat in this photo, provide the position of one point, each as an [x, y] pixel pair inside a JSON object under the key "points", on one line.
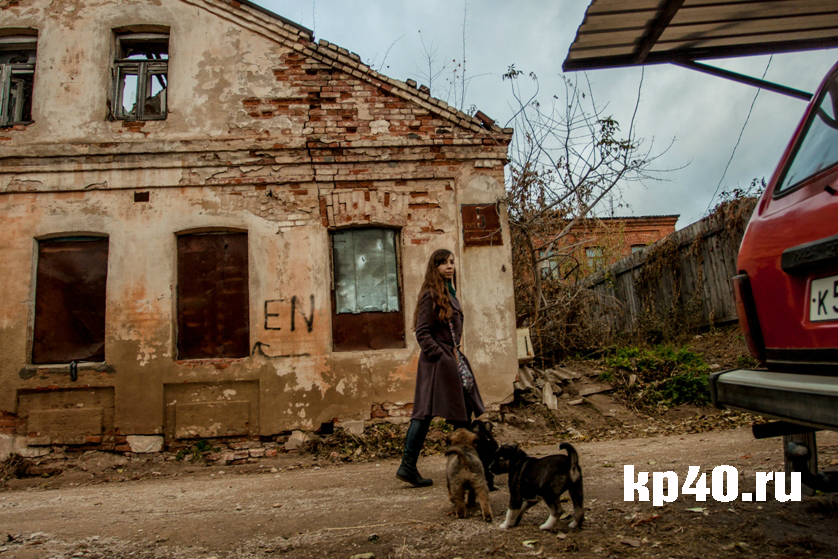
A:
{"points": [[439, 391]]}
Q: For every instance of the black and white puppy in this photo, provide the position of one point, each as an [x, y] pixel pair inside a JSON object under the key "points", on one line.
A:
{"points": [[486, 448], [533, 479]]}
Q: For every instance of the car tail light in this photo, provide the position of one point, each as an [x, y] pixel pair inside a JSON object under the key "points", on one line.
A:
{"points": [[747, 312]]}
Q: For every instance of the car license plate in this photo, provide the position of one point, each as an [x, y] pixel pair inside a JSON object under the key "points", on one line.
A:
{"points": [[823, 300]]}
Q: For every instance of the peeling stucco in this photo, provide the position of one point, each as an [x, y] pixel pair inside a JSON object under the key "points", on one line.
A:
{"points": [[266, 134]]}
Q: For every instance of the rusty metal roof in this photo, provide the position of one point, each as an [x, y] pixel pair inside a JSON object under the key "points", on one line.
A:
{"points": [[633, 32]]}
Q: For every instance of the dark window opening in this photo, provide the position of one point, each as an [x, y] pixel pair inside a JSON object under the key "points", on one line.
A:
{"points": [[17, 78], [367, 311], [70, 300], [141, 196], [141, 76], [213, 309]]}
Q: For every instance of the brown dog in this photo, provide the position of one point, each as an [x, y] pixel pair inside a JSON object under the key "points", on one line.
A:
{"points": [[466, 479]]}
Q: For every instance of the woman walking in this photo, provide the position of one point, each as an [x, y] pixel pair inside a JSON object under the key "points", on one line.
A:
{"points": [[444, 387]]}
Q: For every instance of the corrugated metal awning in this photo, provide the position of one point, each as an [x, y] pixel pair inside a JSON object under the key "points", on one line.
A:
{"points": [[634, 32]]}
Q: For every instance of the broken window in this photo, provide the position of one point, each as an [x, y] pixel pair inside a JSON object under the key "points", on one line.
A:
{"points": [[70, 300], [17, 77], [366, 298], [141, 78], [213, 309]]}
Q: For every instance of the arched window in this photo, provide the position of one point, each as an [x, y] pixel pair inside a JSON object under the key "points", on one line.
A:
{"points": [[213, 301], [70, 300]]}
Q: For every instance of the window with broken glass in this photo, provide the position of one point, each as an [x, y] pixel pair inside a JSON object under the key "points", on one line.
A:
{"points": [[141, 76], [367, 308], [17, 77]]}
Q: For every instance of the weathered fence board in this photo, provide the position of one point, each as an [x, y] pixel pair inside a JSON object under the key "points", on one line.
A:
{"points": [[694, 278]]}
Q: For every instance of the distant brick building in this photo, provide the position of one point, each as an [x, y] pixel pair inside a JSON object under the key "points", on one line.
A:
{"points": [[214, 226], [595, 243]]}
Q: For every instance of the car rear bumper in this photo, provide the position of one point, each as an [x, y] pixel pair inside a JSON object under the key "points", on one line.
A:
{"points": [[806, 399]]}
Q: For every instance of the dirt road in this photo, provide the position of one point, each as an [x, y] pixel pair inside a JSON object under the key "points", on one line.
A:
{"points": [[290, 507]]}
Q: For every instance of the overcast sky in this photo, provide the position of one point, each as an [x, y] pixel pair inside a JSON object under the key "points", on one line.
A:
{"points": [[703, 114]]}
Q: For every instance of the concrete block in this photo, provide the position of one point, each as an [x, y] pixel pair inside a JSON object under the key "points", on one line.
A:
{"points": [[144, 444], [296, 440], [549, 397]]}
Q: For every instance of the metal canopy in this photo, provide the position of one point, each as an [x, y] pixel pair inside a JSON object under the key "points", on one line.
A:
{"points": [[635, 32]]}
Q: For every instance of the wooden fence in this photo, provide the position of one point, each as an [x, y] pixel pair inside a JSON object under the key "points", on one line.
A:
{"points": [[684, 277]]}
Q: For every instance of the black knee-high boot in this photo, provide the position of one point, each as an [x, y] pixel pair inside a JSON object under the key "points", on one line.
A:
{"points": [[413, 443]]}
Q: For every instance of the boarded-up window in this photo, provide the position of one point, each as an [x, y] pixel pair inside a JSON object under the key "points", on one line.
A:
{"points": [[213, 307], [366, 300], [70, 300]]}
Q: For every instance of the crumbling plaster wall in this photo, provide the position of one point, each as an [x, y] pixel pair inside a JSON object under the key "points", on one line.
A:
{"points": [[262, 136], [212, 61]]}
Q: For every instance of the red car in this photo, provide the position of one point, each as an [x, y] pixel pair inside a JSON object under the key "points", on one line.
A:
{"points": [[787, 290]]}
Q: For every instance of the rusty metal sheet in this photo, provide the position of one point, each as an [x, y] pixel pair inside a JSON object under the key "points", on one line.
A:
{"points": [[213, 306], [365, 331], [70, 300], [481, 225], [365, 271]]}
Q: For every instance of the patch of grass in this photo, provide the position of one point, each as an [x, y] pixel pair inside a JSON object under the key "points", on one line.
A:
{"points": [[196, 451], [662, 375]]}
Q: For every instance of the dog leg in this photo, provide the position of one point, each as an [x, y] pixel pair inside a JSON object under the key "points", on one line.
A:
{"points": [[577, 497], [485, 506], [555, 514], [511, 518]]}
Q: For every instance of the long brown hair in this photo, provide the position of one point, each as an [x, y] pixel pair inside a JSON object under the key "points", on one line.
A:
{"points": [[434, 284]]}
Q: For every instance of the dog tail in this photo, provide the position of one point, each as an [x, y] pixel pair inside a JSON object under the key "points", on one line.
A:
{"points": [[575, 472], [458, 451]]}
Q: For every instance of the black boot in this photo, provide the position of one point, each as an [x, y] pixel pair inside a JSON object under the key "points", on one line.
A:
{"points": [[413, 443]]}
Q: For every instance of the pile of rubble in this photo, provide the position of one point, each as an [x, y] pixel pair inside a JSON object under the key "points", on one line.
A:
{"points": [[555, 386]]}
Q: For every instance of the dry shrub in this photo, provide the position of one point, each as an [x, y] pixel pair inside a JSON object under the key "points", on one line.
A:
{"points": [[14, 466], [571, 322], [380, 440]]}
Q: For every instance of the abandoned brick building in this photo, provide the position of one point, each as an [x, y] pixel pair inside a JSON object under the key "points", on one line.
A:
{"points": [[214, 226], [593, 244]]}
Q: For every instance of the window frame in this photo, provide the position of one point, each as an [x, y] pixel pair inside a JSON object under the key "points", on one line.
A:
{"points": [[7, 73], [144, 70], [368, 330], [786, 185], [595, 257]]}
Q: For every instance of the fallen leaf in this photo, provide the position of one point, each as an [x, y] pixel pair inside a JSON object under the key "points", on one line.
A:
{"points": [[631, 543], [529, 543], [561, 535], [697, 509]]}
